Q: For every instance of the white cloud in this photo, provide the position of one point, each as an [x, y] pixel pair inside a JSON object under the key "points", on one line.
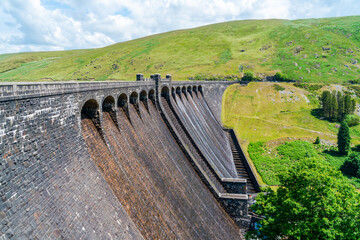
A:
{"points": [[28, 25]]}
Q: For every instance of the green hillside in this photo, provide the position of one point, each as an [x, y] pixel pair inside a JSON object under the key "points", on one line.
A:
{"points": [[266, 115], [310, 50]]}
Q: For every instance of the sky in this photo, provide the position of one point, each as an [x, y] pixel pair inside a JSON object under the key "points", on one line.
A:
{"points": [[46, 25]]}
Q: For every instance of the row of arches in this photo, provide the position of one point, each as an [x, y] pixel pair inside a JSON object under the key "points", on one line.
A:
{"points": [[91, 107], [177, 90]]}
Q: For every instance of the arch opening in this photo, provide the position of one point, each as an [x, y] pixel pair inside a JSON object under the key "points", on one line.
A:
{"points": [[123, 104], [200, 89], [178, 90], [143, 99], [109, 107], [108, 104], [143, 96], [189, 89], [134, 98], [194, 89], [134, 101], [90, 110], [172, 91], [122, 101], [183, 90], [165, 92], [151, 95]]}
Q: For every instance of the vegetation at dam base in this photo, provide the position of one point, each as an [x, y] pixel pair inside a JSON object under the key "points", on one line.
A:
{"points": [[314, 201], [310, 50], [269, 161]]}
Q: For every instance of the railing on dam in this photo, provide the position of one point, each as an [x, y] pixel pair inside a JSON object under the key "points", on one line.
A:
{"points": [[21, 90], [9, 91]]}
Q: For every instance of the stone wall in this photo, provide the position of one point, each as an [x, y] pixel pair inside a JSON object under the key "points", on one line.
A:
{"points": [[49, 186]]}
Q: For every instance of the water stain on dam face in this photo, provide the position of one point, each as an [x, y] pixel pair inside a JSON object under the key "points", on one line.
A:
{"points": [[151, 177]]}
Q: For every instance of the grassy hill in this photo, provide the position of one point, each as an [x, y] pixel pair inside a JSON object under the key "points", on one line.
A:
{"points": [[312, 50]]}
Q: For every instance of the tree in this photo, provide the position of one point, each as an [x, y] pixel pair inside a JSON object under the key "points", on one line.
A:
{"points": [[334, 107], [343, 139], [317, 141], [351, 165], [326, 99], [314, 201], [340, 99], [347, 104]]}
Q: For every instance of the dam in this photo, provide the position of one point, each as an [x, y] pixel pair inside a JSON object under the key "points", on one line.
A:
{"points": [[147, 159]]}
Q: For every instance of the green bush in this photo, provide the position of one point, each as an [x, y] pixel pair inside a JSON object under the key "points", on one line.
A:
{"points": [[317, 141], [351, 166], [278, 87], [248, 76], [281, 77], [352, 120]]}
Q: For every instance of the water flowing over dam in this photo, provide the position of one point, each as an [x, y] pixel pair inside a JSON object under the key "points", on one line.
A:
{"points": [[120, 160]]}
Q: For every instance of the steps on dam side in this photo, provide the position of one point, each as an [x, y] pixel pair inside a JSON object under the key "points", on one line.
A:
{"points": [[239, 164], [195, 152]]}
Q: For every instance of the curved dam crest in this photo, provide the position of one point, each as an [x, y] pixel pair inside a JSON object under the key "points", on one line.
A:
{"points": [[120, 160]]}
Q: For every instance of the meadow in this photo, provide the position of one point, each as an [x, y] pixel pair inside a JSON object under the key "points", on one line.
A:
{"points": [[278, 124]]}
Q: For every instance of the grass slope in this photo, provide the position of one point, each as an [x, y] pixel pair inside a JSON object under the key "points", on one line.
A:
{"points": [[259, 112], [267, 115], [312, 50]]}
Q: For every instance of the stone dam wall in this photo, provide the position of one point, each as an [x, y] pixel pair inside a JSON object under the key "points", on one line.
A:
{"points": [[118, 160]]}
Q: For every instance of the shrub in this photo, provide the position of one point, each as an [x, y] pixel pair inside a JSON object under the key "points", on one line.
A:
{"points": [[317, 141], [249, 76], [352, 120], [281, 77], [278, 87], [351, 165]]}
